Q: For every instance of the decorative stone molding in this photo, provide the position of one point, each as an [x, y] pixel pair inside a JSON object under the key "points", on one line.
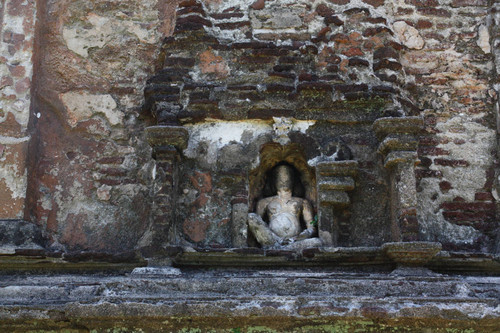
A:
{"points": [[334, 180]]}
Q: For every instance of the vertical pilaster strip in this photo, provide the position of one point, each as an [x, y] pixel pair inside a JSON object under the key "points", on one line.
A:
{"points": [[168, 143]]}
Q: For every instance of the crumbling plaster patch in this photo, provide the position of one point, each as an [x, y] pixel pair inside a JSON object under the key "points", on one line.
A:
{"points": [[12, 170], [80, 38], [215, 135], [82, 105]]}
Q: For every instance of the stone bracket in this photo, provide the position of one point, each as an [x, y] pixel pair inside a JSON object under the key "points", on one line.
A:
{"points": [[176, 136], [334, 180]]}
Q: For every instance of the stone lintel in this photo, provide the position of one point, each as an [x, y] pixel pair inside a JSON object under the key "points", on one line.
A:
{"points": [[392, 125], [396, 157], [341, 183], [337, 168], [176, 136]]}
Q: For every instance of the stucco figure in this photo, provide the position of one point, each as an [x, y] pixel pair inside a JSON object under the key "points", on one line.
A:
{"points": [[283, 213]]}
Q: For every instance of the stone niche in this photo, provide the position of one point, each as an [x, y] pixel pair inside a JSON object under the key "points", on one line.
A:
{"points": [[235, 97]]}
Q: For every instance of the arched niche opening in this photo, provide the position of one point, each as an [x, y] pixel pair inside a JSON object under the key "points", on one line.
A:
{"points": [[273, 154]]}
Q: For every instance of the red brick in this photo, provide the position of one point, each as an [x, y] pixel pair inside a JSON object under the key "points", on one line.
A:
{"points": [[471, 3], [23, 86], [385, 53], [258, 5], [324, 11], [256, 60], [340, 38], [333, 19], [233, 25], [445, 186], [376, 30], [6, 81], [404, 11], [13, 38], [451, 163], [308, 77], [223, 16], [374, 3], [429, 141], [392, 65], [358, 62], [423, 3], [425, 162], [428, 173], [468, 206], [188, 3], [483, 196], [439, 12], [17, 71], [18, 8], [353, 51], [469, 216], [432, 151], [190, 10], [340, 2], [423, 24]]}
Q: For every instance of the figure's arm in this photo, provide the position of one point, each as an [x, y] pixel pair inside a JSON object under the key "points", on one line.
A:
{"points": [[307, 214]]}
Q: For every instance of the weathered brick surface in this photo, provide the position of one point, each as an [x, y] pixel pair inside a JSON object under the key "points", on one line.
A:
{"points": [[101, 63], [91, 174], [16, 50]]}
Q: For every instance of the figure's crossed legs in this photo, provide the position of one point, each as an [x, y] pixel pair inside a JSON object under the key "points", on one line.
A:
{"points": [[262, 232], [268, 239]]}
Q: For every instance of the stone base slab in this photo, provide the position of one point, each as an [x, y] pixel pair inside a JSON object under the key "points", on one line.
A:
{"points": [[228, 300]]}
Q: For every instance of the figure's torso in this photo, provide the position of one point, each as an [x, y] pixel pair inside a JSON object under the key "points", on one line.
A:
{"points": [[284, 216]]}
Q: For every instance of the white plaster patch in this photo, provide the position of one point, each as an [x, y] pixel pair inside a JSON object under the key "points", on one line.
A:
{"points": [[483, 40], [80, 39], [15, 182], [408, 35], [81, 106], [7, 140], [219, 134], [477, 150], [466, 181]]}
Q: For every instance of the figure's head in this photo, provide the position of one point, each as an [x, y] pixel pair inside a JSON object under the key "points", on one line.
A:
{"points": [[284, 177]]}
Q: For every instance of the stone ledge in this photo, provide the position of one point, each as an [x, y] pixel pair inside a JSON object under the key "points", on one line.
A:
{"points": [[362, 259]]}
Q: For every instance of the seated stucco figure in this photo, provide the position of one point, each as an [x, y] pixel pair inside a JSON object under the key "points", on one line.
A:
{"points": [[283, 213]]}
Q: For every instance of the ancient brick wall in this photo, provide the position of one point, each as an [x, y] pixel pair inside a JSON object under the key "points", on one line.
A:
{"points": [[90, 170], [452, 77]]}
